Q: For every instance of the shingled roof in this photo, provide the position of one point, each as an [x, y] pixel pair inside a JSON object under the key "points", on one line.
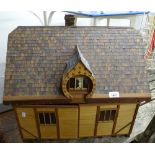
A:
{"points": [[37, 56]]}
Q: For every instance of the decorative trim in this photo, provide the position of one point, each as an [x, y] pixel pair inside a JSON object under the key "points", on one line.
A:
{"points": [[96, 121], [57, 123], [134, 118], [115, 121], [28, 132], [37, 122]]}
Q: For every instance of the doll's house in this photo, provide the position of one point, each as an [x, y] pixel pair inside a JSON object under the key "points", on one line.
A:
{"points": [[73, 82]]}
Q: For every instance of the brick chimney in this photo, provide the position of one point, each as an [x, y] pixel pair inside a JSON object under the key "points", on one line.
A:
{"points": [[69, 20]]}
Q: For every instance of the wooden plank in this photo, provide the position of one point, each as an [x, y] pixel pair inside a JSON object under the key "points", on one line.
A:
{"points": [[108, 107], [115, 121], [37, 122], [57, 120], [124, 129], [123, 95], [104, 128], [47, 109], [68, 122], [78, 121], [48, 131], [27, 135], [96, 121], [87, 121], [134, 118]]}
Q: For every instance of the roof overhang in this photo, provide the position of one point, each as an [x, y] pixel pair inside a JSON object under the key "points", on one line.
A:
{"points": [[96, 98], [123, 98]]}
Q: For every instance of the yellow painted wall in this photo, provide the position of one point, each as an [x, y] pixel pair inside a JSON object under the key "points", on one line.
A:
{"points": [[125, 116], [87, 120], [104, 128], [68, 122], [28, 123], [48, 131]]}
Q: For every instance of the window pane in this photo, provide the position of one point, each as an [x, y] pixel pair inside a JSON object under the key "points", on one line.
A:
{"points": [[102, 114], [107, 115], [41, 118], [113, 113], [47, 118], [72, 82], [119, 22], [79, 82], [53, 118]]}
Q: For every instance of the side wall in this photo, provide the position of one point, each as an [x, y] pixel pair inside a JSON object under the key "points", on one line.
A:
{"points": [[75, 121]]}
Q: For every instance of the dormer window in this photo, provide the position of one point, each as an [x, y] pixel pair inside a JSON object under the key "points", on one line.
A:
{"points": [[78, 83], [78, 79]]}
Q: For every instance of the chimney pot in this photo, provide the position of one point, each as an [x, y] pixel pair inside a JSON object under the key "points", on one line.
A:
{"points": [[69, 20]]}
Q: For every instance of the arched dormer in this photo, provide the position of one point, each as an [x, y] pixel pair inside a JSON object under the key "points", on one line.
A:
{"points": [[78, 78]]}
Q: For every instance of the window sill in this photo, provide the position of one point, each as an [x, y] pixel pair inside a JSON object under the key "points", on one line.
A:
{"points": [[77, 92], [106, 121], [47, 124], [78, 89]]}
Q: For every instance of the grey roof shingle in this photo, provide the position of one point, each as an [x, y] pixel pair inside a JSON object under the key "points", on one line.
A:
{"points": [[37, 56]]}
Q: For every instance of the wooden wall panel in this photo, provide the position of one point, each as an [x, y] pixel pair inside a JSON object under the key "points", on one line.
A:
{"points": [[68, 122], [26, 135], [125, 130], [28, 123], [48, 131], [87, 121], [125, 116], [104, 128]]}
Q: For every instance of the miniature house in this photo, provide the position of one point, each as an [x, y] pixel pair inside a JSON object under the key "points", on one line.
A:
{"points": [[73, 82]]}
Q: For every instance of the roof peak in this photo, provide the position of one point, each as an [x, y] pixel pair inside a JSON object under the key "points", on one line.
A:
{"points": [[77, 57], [78, 52]]}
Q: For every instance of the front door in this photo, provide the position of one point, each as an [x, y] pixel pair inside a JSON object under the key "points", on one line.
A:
{"points": [[47, 122], [106, 118], [68, 122]]}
